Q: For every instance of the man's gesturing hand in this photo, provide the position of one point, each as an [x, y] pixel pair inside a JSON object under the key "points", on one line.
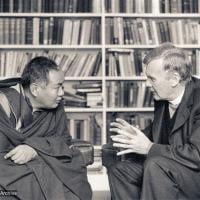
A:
{"points": [[130, 138], [21, 154]]}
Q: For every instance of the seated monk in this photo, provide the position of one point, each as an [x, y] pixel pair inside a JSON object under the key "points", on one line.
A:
{"points": [[36, 160]]}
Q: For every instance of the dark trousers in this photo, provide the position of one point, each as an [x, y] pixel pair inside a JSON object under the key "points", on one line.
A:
{"points": [[156, 178]]}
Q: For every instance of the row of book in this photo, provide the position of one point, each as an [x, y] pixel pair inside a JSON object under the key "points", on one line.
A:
{"points": [[119, 62], [85, 126], [95, 6], [53, 6], [82, 64], [83, 94], [128, 6], [129, 94], [86, 63], [152, 31], [51, 30], [119, 94], [128, 62], [149, 6], [124, 62], [179, 6], [87, 31], [141, 120]]}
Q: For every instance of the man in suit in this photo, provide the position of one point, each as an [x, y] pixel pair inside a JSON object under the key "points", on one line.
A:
{"points": [[163, 160]]}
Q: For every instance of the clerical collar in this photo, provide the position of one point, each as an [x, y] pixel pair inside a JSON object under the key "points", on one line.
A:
{"points": [[177, 101]]}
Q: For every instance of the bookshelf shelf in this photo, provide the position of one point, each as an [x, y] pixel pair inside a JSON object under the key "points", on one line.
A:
{"points": [[92, 78], [7, 77], [119, 88], [77, 110], [130, 109], [56, 47], [135, 78], [116, 46], [83, 110], [90, 47], [95, 15], [153, 15]]}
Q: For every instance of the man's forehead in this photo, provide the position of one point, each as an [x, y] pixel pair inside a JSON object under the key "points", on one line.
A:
{"points": [[56, 77], [155, 65], [56, 74]]}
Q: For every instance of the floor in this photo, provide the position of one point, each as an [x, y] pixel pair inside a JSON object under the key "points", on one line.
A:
{"points": [[100, 186]]}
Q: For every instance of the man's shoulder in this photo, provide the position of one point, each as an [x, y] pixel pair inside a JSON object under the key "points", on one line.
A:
{"points": [[195, 81], [196, 87], [194, 96]]}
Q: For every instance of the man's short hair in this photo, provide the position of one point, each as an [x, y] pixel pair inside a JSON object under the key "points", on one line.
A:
{"points": [[174, 59], [37, 70]]}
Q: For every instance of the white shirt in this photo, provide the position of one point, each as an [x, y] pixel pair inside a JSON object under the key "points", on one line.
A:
{"points": [[173, 105]]}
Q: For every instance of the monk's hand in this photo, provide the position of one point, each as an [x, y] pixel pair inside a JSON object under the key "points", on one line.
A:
{"points": [[129, 138], [21, 154]]}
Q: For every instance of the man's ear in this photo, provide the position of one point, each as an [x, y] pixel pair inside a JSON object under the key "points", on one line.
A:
{"points": [[34, 89], [175, 79]]}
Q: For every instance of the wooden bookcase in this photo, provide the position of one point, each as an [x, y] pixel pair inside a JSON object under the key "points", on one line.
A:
{"points": [[118, 49]]}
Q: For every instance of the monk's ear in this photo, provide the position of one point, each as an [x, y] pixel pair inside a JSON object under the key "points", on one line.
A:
{"points": [[34, 89]]}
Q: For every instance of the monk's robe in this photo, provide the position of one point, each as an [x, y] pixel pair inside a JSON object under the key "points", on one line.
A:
{"points": [[58, 172]]}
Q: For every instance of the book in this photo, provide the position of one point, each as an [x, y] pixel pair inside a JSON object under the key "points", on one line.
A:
{"points": [[94, 99], [81, 66], [88, 90], [6, 34], [67, 32], [76, 32], [72, 96], [1, 31], [85, 32], [36, 27], [88, 84], [50, 30], [12, 31], [29, 31]]}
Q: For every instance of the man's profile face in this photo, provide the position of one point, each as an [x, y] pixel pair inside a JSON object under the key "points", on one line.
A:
{"points": [[158, 80], [50, 95]]}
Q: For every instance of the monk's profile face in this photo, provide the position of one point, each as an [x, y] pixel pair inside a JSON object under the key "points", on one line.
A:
{"points": [[50, 94]]}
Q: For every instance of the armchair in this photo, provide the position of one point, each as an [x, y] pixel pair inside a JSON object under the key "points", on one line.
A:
{"points": [[109, 156], [86, 148]]}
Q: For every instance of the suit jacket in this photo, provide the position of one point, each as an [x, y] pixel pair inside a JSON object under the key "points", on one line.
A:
{"points": [[184, 138]]}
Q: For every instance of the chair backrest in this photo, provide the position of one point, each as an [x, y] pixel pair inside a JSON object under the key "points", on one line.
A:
{"points": [[5, 104]]}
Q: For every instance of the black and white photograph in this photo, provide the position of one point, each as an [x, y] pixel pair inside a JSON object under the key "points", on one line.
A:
{"points": [[99, 99]]}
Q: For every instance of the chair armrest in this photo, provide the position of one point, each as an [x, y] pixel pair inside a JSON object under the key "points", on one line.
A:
{"points": [[86, 148], [109, 155]]}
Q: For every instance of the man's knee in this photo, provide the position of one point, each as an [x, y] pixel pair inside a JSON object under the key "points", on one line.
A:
{"points": [[158, 165], [117, 168], [127, 171]]}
